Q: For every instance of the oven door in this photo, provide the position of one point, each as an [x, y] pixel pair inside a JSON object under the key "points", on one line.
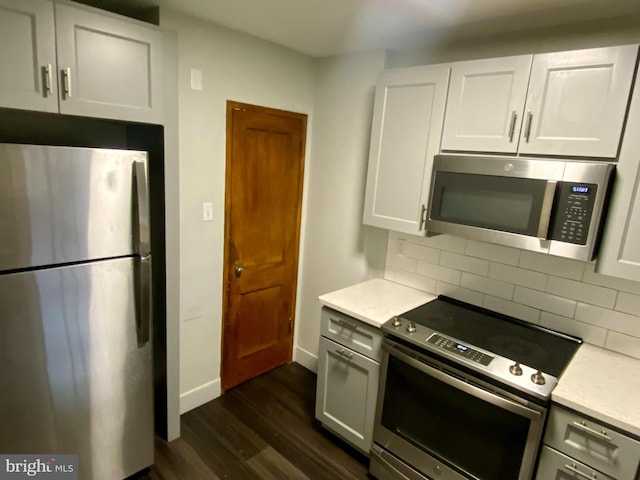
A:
{"points": [[446, 425]]}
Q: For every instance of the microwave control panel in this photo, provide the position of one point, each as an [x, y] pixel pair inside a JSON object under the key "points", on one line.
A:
{"points": [[573, 211]]}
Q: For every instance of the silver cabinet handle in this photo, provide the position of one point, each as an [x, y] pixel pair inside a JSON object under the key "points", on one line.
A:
{"points": [[545, 210], [423, 216], [583, 426], [344, 353], [347, 323], [143, 297], [527, 128], [47, 78], [66, 81], [512, 127], [574, 469]]}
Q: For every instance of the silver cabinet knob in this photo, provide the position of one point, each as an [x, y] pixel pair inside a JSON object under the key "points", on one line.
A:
{"points": [[516, 369], [396, 321], [538, 378], [411, 327]]}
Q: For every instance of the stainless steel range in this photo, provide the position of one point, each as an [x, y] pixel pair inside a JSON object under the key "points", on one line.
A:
{"points": [[464, 393]]}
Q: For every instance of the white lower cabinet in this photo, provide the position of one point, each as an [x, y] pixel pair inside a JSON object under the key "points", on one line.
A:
{"points": [[347, 387], [577, 446]]}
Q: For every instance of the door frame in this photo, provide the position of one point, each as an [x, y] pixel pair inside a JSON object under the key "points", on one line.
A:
{"points": [[226, 268]]}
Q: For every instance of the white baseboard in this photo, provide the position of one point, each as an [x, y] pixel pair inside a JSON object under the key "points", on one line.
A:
{"points": [[199, 396], [306, 359]]}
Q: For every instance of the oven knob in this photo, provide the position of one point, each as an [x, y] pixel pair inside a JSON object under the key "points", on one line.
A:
{"points": [[516, 369], [396, 321], [538, 378], [411, 327]]}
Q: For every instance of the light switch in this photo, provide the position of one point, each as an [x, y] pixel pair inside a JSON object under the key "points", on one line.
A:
{"points": [[207, 211]]}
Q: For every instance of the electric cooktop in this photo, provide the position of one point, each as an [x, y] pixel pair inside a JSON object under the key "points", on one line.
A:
{"points": [[526, 356]]}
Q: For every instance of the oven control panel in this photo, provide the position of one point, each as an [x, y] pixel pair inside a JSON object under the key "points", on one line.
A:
{"points": [[460, 349]]}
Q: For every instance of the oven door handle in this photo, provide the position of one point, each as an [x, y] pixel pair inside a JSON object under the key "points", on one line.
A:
{"points": [[461, 385]]}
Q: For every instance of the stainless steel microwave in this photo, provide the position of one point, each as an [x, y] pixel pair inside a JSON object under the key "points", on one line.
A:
{"points": [[548, 206]]}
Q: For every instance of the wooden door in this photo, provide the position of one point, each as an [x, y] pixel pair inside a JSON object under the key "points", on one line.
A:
{"points": [[28, 55], [406, 132], [109, 66], [577, 101], [485, 104], [265, 160]]}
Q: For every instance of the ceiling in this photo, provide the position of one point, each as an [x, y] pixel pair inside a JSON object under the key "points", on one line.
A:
{"points": [[326, 27]]}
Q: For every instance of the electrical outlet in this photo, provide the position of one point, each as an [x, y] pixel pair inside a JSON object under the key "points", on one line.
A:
{"points": [[400, 243], [207, 211]]}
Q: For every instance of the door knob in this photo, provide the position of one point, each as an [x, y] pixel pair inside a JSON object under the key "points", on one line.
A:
{"points": [[238, 269]]}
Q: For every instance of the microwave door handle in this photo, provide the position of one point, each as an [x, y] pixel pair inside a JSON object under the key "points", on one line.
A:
{"points": [[545, 210]]}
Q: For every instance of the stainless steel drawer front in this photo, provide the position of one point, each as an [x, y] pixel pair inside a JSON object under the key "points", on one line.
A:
{"points": [[594, 444]]}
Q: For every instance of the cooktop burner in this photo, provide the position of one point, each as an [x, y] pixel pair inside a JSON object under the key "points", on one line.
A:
{"points": [[525, 355]]}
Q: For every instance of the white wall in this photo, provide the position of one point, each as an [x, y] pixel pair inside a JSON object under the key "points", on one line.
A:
{"points": [[338, 250], [235, 67], [457, 44]]}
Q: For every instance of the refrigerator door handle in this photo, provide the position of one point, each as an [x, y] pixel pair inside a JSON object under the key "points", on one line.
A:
{"points": [[143, 297], [144, 306], [144, 236]]}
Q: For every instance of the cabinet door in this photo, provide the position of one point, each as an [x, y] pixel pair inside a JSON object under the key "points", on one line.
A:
{"points": [[577, 101], [28, 55], [485, 104], [109, 66], [347, 393], [620, 250], [406, 131]]}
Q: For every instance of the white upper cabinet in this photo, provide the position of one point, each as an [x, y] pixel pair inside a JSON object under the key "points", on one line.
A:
{"points": [[107, 66], [27, 55], [406, 132], [577, 102], [485, 104], [574, 105], [110, 67], [620, 250]]}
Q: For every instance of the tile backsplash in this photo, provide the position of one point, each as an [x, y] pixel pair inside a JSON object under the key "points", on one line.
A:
{"points": [[563, 294]]}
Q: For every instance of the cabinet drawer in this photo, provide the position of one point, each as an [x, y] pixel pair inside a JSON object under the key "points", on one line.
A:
{"points": [[351, 333], [592, 443], [558, 466]]}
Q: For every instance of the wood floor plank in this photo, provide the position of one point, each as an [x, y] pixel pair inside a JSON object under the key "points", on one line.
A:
{"points": [[263, 429], [270, 465]]}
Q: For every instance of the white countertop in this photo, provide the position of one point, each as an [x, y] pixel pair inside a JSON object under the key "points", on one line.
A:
{"points": [[375, 301], [604, 385]]}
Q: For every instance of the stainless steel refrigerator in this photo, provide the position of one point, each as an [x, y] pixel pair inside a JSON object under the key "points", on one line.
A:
{"points": [[75, 312]]}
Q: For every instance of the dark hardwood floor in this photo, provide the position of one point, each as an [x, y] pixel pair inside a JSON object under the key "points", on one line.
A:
{"points": [[262, 429]]}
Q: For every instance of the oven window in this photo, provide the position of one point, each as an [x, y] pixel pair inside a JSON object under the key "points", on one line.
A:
{"points": [[469, 434], [498, 203]]}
